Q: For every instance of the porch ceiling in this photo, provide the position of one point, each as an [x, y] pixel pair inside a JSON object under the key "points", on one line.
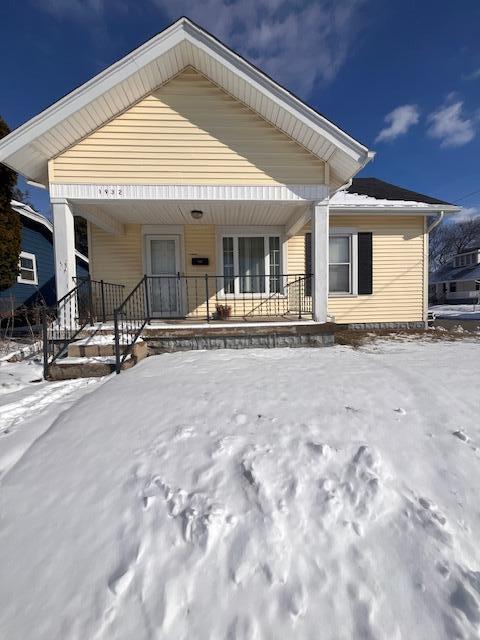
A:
{"points": [[178, 212]]}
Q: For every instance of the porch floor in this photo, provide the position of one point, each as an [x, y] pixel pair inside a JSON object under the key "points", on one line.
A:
{"points": [[237, 325]]}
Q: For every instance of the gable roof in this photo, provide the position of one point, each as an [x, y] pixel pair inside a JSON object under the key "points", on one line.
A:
{"points": [[28, 148], [27, 212], [372, 193]]}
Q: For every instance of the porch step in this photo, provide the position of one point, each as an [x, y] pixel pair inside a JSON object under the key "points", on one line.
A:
{"points": [[93, 360], [264, 336]]}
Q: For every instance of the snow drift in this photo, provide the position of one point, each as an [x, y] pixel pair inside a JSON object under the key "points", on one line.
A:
{"points": [[253, 495]]}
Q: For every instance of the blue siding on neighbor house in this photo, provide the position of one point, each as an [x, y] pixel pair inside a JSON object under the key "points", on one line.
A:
{"points": [[37, 239]]}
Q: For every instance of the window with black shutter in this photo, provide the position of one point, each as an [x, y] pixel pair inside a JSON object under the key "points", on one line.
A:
{"points": [[365, 263]]}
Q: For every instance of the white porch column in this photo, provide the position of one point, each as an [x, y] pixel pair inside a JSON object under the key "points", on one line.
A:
{"points": [[320, 224], [64, 246]]}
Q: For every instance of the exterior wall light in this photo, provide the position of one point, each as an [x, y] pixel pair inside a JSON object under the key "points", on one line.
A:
{"points": [[196, 214]]}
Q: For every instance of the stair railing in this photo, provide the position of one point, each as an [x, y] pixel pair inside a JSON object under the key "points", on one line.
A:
{"points": [[88, 302], [129, 320]]}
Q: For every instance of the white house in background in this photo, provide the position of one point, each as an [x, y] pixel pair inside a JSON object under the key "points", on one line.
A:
{"points": [[223, 193], [459, 280]]}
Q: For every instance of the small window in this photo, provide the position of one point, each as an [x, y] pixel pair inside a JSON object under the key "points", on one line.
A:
{"points": [[340, 264], [27, 265], [477, 285], [453, 287]]}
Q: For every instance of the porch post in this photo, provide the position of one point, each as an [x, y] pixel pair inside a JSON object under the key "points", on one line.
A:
{"points": [[320, 224], [64, 246]]}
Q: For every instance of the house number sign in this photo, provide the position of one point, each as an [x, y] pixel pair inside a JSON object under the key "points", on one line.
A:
{"points": [[111, 192]]}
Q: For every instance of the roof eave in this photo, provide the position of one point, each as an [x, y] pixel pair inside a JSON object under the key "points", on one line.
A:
{"points": [[378, 209], [183, 29]]}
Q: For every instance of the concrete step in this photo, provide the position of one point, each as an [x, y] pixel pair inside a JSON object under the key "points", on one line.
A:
{"points": [[94, 346], [94, 366]]}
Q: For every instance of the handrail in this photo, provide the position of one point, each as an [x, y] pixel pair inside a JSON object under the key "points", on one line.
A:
{"points": [[66, 323], [129, 320], [88, 302]]}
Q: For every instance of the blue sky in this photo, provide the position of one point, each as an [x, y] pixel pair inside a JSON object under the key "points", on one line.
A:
{"points": [[401, 76]]}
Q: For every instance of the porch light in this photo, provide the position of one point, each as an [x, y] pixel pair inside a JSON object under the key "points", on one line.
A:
{"points": [[196, 214]]}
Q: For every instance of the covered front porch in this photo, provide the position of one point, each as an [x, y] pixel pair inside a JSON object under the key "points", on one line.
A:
{"points": [[211, 258]]}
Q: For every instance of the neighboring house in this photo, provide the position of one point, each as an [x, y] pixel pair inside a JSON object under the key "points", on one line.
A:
{"points": [[36, 280], [195, 168], [459, 280]]}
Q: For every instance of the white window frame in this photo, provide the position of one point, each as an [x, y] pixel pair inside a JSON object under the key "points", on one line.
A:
{"points": [[251, 232], [33, 258], [352, 234]]}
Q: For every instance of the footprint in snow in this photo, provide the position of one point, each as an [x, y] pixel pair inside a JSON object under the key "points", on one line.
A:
{"points": [[461, 435], [352, 409], [400, 411]]}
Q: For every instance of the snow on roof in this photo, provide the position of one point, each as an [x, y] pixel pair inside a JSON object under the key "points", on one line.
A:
{"points": [[372, 193], [26, 211]]}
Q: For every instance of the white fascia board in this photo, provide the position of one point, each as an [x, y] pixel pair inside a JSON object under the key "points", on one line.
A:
{"points": [[180, 31], [426, 210], [92, 89], [28, 212], [226, 192], [308, 116]]}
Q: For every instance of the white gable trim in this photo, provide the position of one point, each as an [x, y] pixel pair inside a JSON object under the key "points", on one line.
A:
{"points": [[28, 148]]}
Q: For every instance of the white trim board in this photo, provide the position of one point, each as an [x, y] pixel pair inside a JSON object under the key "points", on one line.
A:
{"points": [[207, 192], [26, 211], [33, 258], [183, 44]]}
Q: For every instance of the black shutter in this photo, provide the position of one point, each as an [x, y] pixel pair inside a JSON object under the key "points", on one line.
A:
{"points": [[365, 264], [308, 263]]}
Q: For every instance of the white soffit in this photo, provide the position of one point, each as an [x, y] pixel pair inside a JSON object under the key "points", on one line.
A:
{"points": [[183, 44]]}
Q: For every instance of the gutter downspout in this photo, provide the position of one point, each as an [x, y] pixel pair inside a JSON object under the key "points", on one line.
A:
{"points": [[438, 219], [436, 222], [344, 186]]}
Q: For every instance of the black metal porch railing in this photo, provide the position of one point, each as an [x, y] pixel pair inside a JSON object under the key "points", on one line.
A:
{"points": [[101, 298], [208, 297], [211, 297], [88, 302]]}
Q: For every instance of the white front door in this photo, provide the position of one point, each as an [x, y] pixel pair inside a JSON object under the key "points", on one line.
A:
{"points": [[163, 267]]}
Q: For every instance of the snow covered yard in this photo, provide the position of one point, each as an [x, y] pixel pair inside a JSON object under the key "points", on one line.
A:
{"points": [[331, 493], [457, 311], [29, 406]]}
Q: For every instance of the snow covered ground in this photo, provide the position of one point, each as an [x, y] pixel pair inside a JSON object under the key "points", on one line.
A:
{"points": [[29, 406], [330, 493], [457, 311]]}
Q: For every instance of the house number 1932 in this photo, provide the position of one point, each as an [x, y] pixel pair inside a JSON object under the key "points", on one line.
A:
{"points": [[110, 191]]}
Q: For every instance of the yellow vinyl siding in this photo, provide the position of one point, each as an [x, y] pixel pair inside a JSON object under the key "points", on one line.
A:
{"points": [[116, 258], [398, 267], [188, 132], [398, 270]]}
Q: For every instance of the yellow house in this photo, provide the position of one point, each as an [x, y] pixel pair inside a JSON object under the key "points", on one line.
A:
{"points": [[211, 192]]}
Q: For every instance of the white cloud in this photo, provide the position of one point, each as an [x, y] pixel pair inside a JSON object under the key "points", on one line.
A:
{"points": [[474, 75], [297, 42], [399, 122], [467, 213], [450, 126]]}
